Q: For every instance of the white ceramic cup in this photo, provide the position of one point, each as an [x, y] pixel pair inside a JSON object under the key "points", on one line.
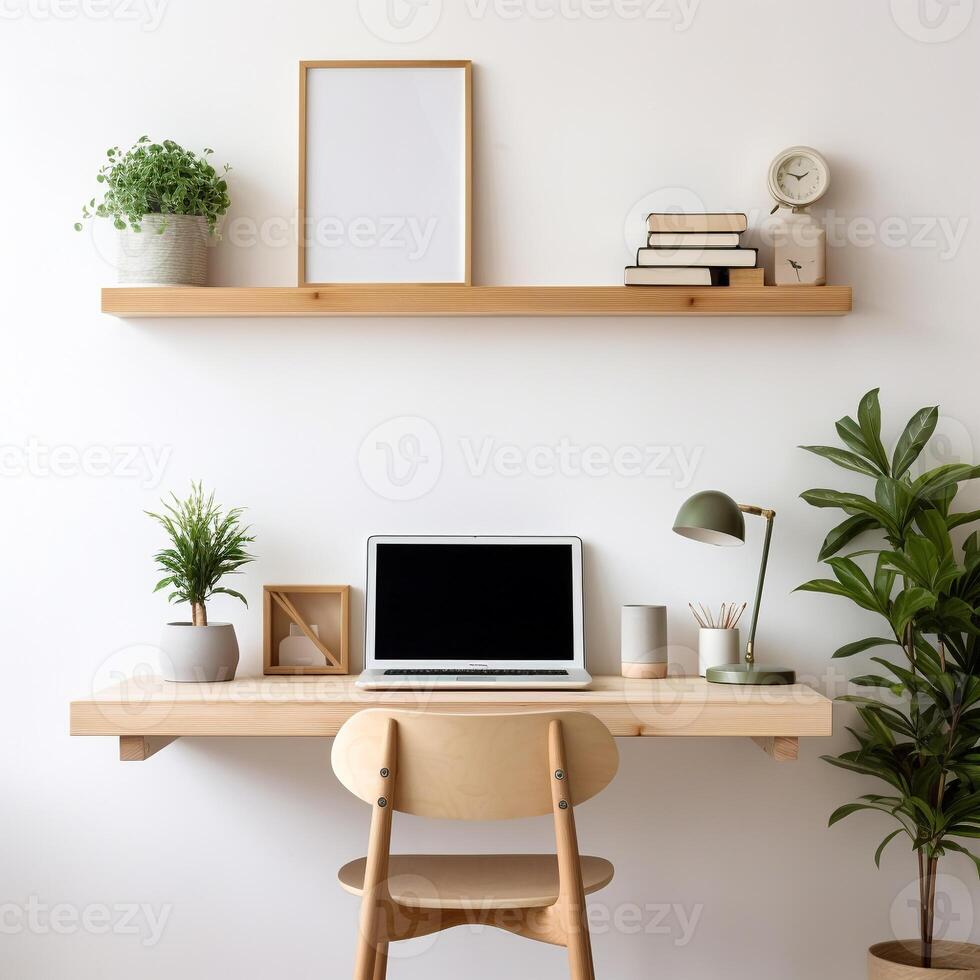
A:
{"points": [[644, 641], [717, 648]]}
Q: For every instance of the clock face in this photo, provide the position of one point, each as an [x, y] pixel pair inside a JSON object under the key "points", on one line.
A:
{"points": [[798, 177]]}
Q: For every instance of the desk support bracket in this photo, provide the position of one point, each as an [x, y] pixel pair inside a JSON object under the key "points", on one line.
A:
{"points": [[779, 747], [139, 748]]}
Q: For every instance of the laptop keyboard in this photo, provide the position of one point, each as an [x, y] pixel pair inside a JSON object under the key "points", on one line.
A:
{"points": [[475, 673]]}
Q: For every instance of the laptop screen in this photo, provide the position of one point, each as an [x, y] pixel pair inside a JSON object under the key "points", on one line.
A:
{"points": [[474, 602]]}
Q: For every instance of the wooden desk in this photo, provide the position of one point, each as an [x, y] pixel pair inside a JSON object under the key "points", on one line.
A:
{"points": [[148, 713]]}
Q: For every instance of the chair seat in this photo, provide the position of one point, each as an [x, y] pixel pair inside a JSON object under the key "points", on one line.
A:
{"points": [[483, 881]]}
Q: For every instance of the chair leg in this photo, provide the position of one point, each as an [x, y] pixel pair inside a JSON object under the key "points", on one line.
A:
{"points": [[381, 962], [366, 961], [580, 965]]}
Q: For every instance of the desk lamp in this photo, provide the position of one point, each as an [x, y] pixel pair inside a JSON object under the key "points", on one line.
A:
{"points": [[712, 517]]}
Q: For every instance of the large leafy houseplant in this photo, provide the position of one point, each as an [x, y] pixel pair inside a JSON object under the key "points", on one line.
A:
{"points": [[920, 734], [206, 544], [158, 178]]}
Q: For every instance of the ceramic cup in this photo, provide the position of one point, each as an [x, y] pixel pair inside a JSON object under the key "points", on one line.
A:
{"points": [[717, 648], [644, 641]]}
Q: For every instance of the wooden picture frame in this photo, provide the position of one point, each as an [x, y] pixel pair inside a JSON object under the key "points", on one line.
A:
{"points": [[415, 104], [325, 606]]}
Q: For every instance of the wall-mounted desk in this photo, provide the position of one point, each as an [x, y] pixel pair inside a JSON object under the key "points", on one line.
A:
{"points": [[148, 713]]}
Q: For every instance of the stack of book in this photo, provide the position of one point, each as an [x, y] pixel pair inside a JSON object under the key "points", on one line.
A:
{"points": [[691, 249]]}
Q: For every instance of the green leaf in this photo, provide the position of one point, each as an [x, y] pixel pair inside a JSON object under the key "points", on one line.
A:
{"points": [[953, 846], [233, 593], [850, 433], [825, 585], [845, 811], [913, 440], [957, 520], [848, 460], [852, 503], [885, 843], [859, 646], [931, 484], [869, 418], [844, 533], [873, 680], [850, 575], [907, 604], [935, 528], [884, 580], [895, 499]]}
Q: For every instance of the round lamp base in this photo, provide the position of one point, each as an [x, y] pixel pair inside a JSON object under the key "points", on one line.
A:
{"points": [[749, 674]]}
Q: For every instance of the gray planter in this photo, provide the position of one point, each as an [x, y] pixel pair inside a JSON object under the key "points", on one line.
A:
{"points": [[199, 653], [177, 257]]}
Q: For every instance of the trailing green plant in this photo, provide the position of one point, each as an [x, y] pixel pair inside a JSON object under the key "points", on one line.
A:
{"points": [[158, 178], [920, 734], [206, 545]]}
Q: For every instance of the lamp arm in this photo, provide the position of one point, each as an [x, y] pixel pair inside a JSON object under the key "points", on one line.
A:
{"points": [[769, 515]]}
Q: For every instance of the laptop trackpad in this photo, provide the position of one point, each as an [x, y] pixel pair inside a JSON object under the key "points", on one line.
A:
{"points": [[469, 678]]}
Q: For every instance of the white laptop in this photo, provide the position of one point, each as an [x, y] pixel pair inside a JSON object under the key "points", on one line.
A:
{"points": [[474, 612]]}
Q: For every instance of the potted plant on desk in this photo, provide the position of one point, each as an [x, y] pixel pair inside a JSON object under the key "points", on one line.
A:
{"points": [[164, 202], [206, 545], [920, 735]]}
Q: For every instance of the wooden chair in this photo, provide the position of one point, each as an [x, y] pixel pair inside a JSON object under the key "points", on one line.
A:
{"points": [[474, 767]]}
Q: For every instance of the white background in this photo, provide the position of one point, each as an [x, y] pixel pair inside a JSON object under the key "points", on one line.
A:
{"points": [[581, 122]]}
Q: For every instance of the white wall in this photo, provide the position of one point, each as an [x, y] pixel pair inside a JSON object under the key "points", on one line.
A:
{"points": [[579, 123]]}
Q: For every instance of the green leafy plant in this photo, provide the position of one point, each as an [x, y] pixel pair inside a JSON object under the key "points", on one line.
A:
{"points": [[158, 178], [920, 734], [206, 545]]}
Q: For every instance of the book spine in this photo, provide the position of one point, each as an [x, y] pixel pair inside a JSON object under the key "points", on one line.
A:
{"points": [[724, 257]]}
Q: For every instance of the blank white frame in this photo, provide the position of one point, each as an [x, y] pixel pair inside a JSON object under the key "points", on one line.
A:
{"points": [[385, 172]]}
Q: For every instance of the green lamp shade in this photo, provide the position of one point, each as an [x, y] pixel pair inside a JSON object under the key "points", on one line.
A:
{"points": [[711, 517]]}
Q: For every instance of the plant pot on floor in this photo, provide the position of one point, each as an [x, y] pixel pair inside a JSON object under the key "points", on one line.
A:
{"points": [[199, 653], [900, 961], [177, 256]]}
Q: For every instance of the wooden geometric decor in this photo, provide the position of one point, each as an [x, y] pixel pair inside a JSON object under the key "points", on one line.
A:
{"points": [[306, 627]]}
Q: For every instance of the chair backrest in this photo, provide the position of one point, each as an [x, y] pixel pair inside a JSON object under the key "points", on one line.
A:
{"points": [[474, 766]]}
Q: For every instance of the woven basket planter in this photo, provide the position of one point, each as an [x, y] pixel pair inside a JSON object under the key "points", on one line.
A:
{"points": [[177, 257], [899, 961]]}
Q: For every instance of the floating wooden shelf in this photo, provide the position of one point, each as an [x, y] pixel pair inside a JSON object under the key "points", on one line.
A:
{"points": [[147, 713], [208, 301]]}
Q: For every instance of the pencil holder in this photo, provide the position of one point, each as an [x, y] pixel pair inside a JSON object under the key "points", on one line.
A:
{"points": [[644, 641], [717, 648]]}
